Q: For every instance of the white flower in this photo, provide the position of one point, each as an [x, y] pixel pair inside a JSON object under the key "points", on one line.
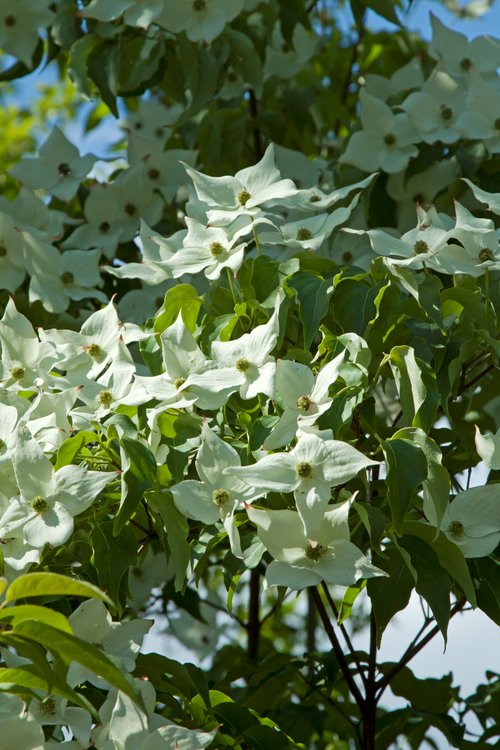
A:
{"points": [[22, 732], [43, 513], [488, 447], [305, 397], [149, 128], [472, 520], [166, 172], [92, 622], [310, 471], [435, 110], [8, 432], [148, 574], [52, 710], [19, 24], [459, 55], [286, 61], [12, 265], [57, 278], [244, 364], [298, 562], [31, 214], [228, 197], [58, 167], [135, 12], [217, 496], [200, 19], [482, 117], [386, 141], [408, 77]]}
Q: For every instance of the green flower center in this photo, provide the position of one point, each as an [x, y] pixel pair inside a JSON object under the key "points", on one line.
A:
{"points": [[347, 257], [2, 443], [138, 125], [9, 21], [18, 373], [137, 572], [130, 209], [104, 227], [3, 251], [418, 198], [486, 254], [199, 5], [48, 705], [456, 529], [153, 174], [216, 248], [304, 403], [179, 382], [220, 497], [242, 364], [243, 197], [303, 234], [314, 199], [105, 398], [447, 113], [304, 470], [420, 247], [94, 350], [39, 504], [67, 278], [159, 132], [466, 63], [497, 123], [390, 139], [315, 553], [231, 77], [64, 168]]}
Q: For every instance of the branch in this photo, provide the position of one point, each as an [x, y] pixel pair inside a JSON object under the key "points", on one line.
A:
{"points": [[337, 648], [253, 627], [344, 633], [414, 648], [256, 130], [329, 700]]}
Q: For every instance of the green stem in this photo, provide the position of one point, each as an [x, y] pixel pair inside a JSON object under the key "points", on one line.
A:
{"points": [[487, 296], [256, 240], [231, 285], [207, 304]]}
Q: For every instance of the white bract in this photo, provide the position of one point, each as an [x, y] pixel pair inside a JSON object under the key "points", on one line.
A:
{"points": [[488, 447], [298, 561], [305, 397], [435, 110], [135, 12], [43, 513], [386, 141], [461, 56], [310, 471], [285, 60], [58, 167], [19, 24], [217, 496], [482, 116], [12, 265], [472, 520], [200, 19]]}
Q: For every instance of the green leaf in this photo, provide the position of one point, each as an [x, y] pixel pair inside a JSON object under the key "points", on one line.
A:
{"points": [[245, 59], [52, 584], [450, 556], [429, 298], [433, 581], [177, 529], [458, 298], [77, 63], [431, 695], [313, 294], [103, 65], [406, 470], [200, 68], [15, 615], [113, 555], [389, 595], [139, 474], [183, 297], [350, 596], [419, 403], [268, 275], [374, 521], [68, 450], [384, 8], [70, 648], [199, 680], [354, 304]]}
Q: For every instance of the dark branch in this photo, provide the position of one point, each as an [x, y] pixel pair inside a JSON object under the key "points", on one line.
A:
{"points": [[344, 633]]}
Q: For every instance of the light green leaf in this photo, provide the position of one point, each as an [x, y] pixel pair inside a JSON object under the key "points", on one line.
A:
{"points": [[406, 470], [52, 584]]}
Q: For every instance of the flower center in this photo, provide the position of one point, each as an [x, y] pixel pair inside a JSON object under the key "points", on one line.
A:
{"points": [[2, 443], [104, 227], [94, 350], [159, 132], [486, 254], [18, 373], [199, 5], [303, 234], [466, 63], [64, 168], [231, 77], [420, 247], [39, 504], [216, 248], [390, 139], [105, 398], [3, 251], [456, 529], [9, 21], [138, 125], [303, 403], [220, 497], [179, 382], [314, 199], [136, 572], [130, 209], [315, 553], [67, 278], [153, 174], [447, 113], [304, 470], [48, 705], [243, 197], [347, 257], [242, 364], [497, 123]]}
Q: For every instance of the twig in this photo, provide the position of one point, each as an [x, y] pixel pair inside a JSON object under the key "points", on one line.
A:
{"points": [[253, 627], [344, 633]]}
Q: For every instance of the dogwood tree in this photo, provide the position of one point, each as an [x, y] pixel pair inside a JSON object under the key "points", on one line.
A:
{"points": [[249, 361]]}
